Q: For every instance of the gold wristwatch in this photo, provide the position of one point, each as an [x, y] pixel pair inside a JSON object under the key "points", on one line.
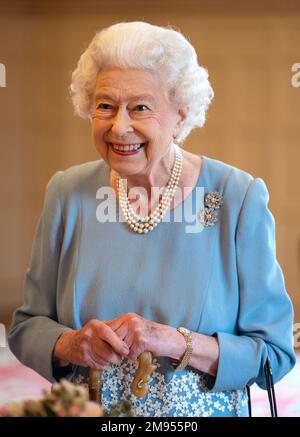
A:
{"points": [[189, 348]]}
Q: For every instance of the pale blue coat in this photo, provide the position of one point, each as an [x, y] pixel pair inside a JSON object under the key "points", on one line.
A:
{"points": [[224, 281]]}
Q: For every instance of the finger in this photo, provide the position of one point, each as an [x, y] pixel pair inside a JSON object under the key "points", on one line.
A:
{"points": [[114, 324], [99, 365], [105, 353], [102, 363], [111, 321], [138, 344], [105, 333], [94, 362], [118, 321], [122, 333], [135, 353]]}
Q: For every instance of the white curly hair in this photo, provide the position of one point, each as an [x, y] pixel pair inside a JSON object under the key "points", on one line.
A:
{"points": [[141, 45]]}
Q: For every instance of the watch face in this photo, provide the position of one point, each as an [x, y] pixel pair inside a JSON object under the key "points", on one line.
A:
{"points": [[184, 330]]}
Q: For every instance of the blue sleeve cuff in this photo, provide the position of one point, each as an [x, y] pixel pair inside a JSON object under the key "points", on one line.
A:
{"points": [[239, 361]]}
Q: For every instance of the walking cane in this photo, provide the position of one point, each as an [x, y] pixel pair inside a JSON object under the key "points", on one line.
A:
{"points": [[95, 385], [139, 386]]}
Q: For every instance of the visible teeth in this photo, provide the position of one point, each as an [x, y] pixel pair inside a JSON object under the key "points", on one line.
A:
{"points": [[127, 147]]}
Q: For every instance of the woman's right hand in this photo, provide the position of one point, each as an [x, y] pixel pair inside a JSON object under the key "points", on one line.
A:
{"points": [[95, 345]]}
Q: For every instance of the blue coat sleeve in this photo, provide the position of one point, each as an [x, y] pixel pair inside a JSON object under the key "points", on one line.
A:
{"points": [[265, 317], [35, 329]]}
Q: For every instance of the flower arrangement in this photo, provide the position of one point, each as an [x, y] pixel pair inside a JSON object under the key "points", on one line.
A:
{"points": [[64, 400]]}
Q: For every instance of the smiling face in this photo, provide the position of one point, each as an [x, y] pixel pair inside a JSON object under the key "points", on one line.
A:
{"points": [[133, 122]]}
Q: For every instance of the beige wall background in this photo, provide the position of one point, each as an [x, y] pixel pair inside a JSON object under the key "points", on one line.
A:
{"points": [[248, 49]]}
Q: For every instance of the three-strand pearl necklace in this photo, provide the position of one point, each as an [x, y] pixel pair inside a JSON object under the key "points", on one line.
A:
{"points": [[143, 225]]}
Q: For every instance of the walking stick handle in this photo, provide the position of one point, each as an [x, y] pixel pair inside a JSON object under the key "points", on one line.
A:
{"points": [[139, 386]]}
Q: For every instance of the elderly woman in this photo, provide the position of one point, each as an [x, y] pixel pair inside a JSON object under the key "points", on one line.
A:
{"points": [[115, 272]]}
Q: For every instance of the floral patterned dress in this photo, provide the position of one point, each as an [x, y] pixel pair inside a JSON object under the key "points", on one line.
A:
{"points": [[171, 394]]}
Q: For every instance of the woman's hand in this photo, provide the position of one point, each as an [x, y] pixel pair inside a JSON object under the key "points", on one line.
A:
{"points": [[145, 335], [95, 345]]}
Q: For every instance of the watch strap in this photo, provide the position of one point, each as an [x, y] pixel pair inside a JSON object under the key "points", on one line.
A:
{"points": [[189, 348]]}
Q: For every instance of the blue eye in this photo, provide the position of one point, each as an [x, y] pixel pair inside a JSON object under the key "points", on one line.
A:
{"points": [[141, 108]]}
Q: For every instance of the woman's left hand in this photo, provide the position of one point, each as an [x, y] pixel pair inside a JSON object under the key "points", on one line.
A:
{"points": [[145, 335]]}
